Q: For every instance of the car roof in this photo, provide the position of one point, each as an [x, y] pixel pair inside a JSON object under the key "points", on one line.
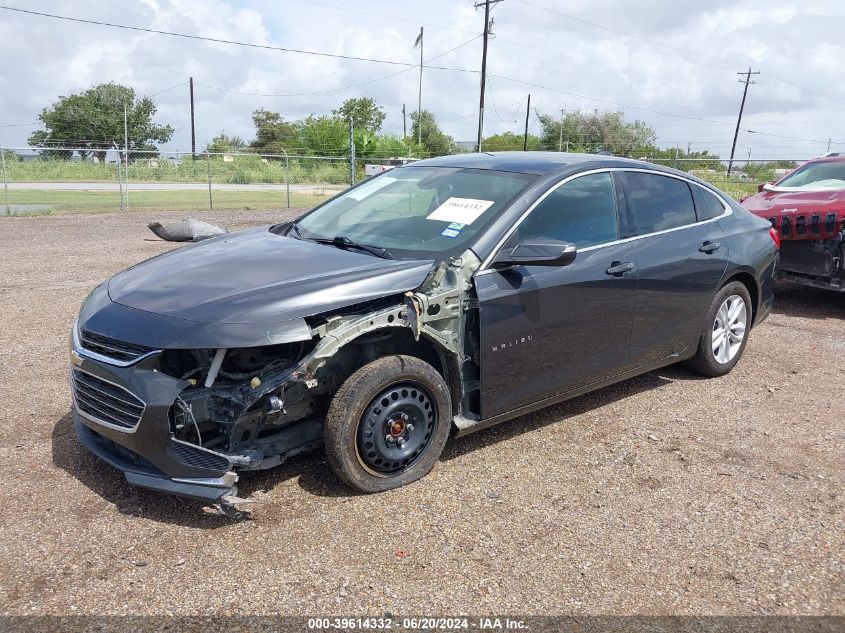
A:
{"points": [[830, 158], [538, 163], [550, 164]]}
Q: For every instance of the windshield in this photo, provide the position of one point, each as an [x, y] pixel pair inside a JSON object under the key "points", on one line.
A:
{"points": [[416, 211], [817, 176]]}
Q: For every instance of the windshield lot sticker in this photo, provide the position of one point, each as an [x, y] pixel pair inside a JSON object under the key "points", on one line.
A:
{"points": [[456, 225], [460, 210], [368, 188], [451, 232]]}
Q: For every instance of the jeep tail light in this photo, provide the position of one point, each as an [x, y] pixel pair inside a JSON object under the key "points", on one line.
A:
{"points": [[773, 233]]}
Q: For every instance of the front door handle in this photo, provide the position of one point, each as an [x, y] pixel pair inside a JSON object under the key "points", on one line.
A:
{"points": [[709, 247], [617, 269]]}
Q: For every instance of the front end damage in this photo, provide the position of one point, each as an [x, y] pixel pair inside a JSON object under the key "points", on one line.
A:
{"points": [[186, 421], [819, 262], [811, 228]]}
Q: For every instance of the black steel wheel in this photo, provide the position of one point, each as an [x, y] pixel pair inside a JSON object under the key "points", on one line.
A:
{"points": [[388, 423], [396, 428]]}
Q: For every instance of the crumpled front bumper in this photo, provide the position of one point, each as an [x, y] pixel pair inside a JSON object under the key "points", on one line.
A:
{"points": [[140, 472], [148, 454]]}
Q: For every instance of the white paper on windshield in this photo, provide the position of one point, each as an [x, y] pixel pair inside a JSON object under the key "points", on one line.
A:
{"points": [[369, 188], [461, 210]]}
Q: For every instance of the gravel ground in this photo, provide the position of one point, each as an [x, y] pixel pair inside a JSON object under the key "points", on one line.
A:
{"points": [[664, 494]]}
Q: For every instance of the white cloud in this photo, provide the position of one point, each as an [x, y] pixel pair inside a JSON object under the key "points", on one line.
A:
{"points": [[660, 55]]}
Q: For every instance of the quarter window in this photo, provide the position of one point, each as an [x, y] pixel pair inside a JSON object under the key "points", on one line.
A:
{"points": [[707, 206], [658, 202], [582, 211]]}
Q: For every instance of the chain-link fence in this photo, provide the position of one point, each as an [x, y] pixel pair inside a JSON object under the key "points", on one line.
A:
{"points": [[744, 178], [37, 181]]}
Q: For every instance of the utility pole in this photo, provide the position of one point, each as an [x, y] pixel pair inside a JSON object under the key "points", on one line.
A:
{"points": [[404, 124], [419, 43], [746, 81], [193, 128], [119, 174], [527, 114], [828, 145], [126, 154], [486, 4], [351, 153], [560, 135], [5, 182]]}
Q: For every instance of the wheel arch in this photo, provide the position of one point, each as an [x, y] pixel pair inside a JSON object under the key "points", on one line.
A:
{"points": [[748, 280], [388, 341]]}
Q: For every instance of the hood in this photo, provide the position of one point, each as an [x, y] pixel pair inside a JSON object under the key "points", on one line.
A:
{"points": [[259, 277], [807, 215], [820, 200]]}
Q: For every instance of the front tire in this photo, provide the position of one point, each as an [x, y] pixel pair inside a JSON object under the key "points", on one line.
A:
{"points": [[388, 424], [725, 331]]}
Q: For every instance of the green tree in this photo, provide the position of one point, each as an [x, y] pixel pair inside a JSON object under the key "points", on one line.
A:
{"points": [[323, 135], [508, 141], [91, 122], [223, 143], [365, 113], [272, 132], [434, 140], [596, 131]]}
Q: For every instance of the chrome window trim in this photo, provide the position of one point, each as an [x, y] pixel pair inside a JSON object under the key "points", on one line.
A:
{"points": [[108, 360], [96, 420], [728, 211]]}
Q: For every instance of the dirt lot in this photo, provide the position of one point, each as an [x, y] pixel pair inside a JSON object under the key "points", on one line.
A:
{"points": [[664, 494]]}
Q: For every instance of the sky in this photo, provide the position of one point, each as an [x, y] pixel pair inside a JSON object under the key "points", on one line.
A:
{"points": [[670, 63]]}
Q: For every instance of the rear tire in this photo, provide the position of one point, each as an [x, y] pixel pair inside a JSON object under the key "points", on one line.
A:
{"points": [[388, 424], [725, 332]]}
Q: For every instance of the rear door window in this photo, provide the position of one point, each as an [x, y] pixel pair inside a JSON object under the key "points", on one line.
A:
{"points": [[658, 202], [707, 205]]}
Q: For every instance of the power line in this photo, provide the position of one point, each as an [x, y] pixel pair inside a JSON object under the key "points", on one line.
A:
{"points": [[608, 101], [652, 111], [607, 28], [512, 118], [408, 65], [693, 55], [224, 41], [342, 89], [161, 92]]}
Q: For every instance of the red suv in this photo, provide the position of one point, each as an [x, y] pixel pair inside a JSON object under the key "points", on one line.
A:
{"points": [[807, 208]]}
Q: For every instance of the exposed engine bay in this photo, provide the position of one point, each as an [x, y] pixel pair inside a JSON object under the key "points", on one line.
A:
{"points": [[257, 406], [817, 262]]}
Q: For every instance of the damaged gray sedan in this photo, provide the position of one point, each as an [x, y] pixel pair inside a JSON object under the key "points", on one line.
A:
{"points": [[453, 293]]}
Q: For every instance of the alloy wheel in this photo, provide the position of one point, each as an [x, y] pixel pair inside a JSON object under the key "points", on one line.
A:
{"points": [[729, 329]]}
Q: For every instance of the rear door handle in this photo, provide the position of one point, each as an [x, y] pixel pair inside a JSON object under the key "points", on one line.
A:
{"points": [[617, 269], [709, 247]]}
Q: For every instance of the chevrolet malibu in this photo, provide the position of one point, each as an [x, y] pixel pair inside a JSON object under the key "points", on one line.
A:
{"points": [[449, 294]]}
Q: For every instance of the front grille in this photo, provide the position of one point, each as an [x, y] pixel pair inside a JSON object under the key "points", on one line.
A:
{"points": [[197, 457], [112, 348], [106, 402]]}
